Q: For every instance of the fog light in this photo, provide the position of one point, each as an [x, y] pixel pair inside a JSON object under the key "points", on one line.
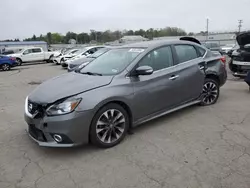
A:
{"points": [[57, 138]]}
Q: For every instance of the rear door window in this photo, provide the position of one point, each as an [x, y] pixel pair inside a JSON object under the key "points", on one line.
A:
{"points": [[185, 52], [36, 50]]}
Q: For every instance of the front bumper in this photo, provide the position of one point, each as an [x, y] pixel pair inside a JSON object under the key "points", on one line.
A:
{"points": [[73, 128]]}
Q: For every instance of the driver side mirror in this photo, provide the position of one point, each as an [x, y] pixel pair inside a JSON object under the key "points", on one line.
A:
{"points": [[247, 46], [143, 70]]}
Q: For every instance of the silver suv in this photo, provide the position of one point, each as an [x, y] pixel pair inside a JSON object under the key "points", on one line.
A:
{"points": [[121, 89]]}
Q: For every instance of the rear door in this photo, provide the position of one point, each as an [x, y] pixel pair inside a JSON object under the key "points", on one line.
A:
{"points": [[156, 92], [189, 68], [37, 54]]}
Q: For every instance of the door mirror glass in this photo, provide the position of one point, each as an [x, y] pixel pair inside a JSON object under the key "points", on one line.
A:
{"points": [[247, 46], [144, 70]]}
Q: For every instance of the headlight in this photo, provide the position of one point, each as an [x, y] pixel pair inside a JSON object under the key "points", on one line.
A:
{"points": [[65, 107]]}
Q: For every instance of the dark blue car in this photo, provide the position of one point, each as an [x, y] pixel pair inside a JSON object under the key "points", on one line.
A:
{"points": [[7, 62]]}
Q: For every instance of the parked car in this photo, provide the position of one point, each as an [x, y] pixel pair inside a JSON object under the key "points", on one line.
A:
{"points": [[121, 89], [83, 61], [64, 55], [225, 49], [240, 59], [32, 54], [213, 46], [230, 52], [7, 62], [85, 52]]}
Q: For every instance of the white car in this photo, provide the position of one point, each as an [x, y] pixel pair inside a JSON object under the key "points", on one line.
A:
{"points": [[85, 52], [63, 56], [225, 49], [32, 54]]}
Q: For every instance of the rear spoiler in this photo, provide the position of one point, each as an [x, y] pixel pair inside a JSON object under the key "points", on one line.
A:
{"points": [[191, 39]]}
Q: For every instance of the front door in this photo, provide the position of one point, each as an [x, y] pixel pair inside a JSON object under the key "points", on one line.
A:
{"points": [[153, 93], [27, 55]]}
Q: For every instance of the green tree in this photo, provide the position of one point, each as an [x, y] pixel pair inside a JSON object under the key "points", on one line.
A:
{"points": [[49, 38], [34, 37]]}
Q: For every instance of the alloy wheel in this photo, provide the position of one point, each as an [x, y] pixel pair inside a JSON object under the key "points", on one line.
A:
{"points": [[5, 67], [110, 126], [210, 93]]}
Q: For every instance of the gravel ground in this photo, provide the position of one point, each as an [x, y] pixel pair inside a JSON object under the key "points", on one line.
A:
{"points": [[198, 147]]}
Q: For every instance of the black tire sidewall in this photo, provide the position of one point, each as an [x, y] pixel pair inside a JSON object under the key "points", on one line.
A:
{"points": [[218, 88], [19, 62], [93, 136], [7, 65]]}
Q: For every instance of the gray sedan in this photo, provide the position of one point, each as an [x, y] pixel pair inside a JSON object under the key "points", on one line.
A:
{"points": [[120, 90]]}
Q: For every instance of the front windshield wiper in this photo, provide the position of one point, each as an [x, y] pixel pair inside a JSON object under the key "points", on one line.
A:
{"points": [[92, 73]]}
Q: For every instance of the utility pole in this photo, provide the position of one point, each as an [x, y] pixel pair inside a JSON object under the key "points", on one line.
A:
{"points": [[240, 24], [207, 28]]}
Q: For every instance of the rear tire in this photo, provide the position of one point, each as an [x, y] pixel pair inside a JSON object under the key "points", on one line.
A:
{"points": [[109, 126], [5, 67], [210, 92], [19, 62]]}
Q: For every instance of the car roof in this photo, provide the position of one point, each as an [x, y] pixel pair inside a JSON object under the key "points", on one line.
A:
{"points": [[156, 43]]}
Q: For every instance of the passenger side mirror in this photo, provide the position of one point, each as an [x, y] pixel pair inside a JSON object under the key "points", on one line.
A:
{"points": [[247, 46], [144, 70]]}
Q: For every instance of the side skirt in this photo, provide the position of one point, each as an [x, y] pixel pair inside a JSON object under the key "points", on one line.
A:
{"points": [[151, 117]]}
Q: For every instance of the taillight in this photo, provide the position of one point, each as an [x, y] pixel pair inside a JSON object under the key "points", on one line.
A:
{"points": [[12, 58], [223, 60]]}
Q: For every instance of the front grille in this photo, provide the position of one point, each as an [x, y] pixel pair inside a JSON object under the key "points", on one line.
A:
{"points": [[35, 109], [36, 133]]}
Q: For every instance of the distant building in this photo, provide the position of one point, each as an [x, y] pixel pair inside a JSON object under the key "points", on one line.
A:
{"points": [[9, 45], [221, 38]]}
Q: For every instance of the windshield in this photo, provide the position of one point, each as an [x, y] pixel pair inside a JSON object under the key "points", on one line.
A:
{"points": [[112, 62], [99, 52]]}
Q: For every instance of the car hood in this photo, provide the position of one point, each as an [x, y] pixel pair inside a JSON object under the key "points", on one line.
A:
{"points": [[82, 60], [66, 85], [14, 55], [243, 38]]}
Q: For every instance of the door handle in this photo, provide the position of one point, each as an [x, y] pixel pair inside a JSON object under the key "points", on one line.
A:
{"points": [[174, 77]]}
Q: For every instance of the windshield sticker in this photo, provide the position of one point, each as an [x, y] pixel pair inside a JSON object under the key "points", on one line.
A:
{"points": [[114, 70], [137, 50]]}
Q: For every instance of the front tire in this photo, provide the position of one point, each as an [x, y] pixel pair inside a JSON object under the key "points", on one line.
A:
{"points": [[19, 62], [5, 67], [210, 92], [109, 126]]}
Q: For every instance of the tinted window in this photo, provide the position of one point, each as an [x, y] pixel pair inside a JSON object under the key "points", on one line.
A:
{"points": [[185, 52], [36, 50], [27, 51], [214, 45], [158, 59]]}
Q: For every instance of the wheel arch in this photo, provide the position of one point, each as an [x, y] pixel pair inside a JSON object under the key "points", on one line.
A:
{"points": [[114, 101], [120, 102], [213, 76]]}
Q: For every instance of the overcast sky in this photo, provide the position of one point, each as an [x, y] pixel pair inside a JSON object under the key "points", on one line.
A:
{"points": [[23, 18]]}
